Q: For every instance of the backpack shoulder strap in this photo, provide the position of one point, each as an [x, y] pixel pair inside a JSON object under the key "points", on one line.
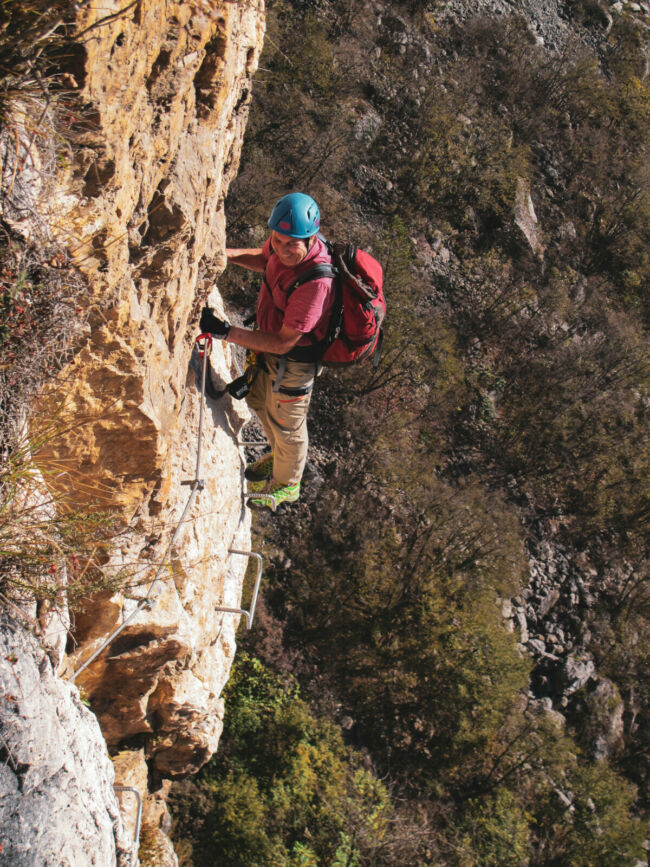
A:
{"points": [[323, 269], [317, 348]]}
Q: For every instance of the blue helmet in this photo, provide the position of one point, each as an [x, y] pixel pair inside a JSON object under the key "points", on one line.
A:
{"points": [[295, 215]]}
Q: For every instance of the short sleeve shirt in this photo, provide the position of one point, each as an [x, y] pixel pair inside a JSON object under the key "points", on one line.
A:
{"points": [[308, 308]]}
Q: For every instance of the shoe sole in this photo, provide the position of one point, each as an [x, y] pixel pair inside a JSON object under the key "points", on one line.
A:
{"points": [[259, 507]]}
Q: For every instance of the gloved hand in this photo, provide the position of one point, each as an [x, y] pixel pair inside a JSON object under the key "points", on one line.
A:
{"points": [[210, 324]]}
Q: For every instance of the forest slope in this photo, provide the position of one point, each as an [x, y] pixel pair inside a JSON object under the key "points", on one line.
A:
{"points": [[463, 588]]}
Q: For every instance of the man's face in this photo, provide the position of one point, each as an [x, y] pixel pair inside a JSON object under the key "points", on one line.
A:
{"points": [[290, 251]]}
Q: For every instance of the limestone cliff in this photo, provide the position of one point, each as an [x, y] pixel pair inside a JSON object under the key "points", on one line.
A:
{"points": [[56, 799], [162, 93]]}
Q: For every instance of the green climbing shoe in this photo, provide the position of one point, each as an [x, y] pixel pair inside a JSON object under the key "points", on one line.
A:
{"points": [[261, 469], [256, 487], [273, 495]]}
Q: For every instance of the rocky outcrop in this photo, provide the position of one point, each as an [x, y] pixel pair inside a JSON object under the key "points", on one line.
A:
{"points": [[165, 89], [552, 617], [57, 803], [525, 217], [161, 95], [132, 771], [551, 23]]}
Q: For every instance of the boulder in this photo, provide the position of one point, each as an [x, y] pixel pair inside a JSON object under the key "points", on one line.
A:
{"points": [[575, 672], [525, 218]]}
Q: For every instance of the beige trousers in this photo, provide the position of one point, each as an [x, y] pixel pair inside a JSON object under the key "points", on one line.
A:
{"points": [[284, 416]]}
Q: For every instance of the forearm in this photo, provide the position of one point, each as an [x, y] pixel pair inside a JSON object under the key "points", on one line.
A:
{"points": [[251, 258], [262, 341]]}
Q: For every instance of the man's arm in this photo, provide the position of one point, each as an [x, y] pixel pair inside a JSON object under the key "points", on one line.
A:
{"points": [[263, 341], [251, 258]]}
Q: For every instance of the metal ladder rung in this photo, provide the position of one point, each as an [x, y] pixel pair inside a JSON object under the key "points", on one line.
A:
{"points": [[138, 821], [247, 614], [252, 495]]}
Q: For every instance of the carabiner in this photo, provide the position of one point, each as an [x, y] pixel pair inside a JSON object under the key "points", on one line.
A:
{"points": [[208, 343]]}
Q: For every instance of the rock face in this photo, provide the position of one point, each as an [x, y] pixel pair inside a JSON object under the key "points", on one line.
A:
{"points": [[165, 86], [547, 20], [57, 804], [162, 95], [132, 771], [165, 90], [552, 617]]}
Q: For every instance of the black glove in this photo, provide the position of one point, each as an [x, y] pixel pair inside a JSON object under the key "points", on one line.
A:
{"points": [[210, 324]]}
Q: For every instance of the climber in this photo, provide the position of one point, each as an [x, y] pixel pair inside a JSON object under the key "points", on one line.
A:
{"points": [[287, 327]]}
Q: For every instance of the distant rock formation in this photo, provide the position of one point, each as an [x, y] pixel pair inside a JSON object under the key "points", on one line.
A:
{"points": [[525, 217]]}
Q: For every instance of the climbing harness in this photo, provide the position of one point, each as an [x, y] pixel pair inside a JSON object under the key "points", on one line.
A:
{"points": [[279, 374], [204, 342], [282, 369]]}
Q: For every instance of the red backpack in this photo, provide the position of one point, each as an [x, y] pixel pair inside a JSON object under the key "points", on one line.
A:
{"points": [[354, 331]]}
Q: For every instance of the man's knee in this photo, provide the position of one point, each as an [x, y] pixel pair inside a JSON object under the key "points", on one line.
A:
{"points": [[290, 413]]}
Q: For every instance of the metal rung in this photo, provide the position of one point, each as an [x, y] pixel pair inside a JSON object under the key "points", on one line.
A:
{"points": [[252, 495], [247, 614], [138, 820], [257, 443]]}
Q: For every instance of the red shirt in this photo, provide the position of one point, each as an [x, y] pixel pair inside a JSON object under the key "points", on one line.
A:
{"points": [[308, 307]]}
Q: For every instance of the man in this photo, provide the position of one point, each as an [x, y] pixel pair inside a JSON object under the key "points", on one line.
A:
{"points": [[288, 327]]}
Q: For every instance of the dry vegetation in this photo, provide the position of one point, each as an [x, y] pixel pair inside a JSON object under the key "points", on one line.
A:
{"points": [[51, 552]]}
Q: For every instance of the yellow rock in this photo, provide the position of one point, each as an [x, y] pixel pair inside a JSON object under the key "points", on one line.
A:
{"points": [[164, 87]]}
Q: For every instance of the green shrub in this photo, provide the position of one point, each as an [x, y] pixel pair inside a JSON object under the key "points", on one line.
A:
{"points": [[591, 822], [503, 377], [283, 788], [496, 832]]}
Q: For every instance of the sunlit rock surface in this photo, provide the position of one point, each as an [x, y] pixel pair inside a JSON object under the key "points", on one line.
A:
{"points": [[165, 88], [162, 98], [57, 803]]}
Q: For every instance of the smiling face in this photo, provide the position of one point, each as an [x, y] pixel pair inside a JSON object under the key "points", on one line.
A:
{"points": [[290, 251]]}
